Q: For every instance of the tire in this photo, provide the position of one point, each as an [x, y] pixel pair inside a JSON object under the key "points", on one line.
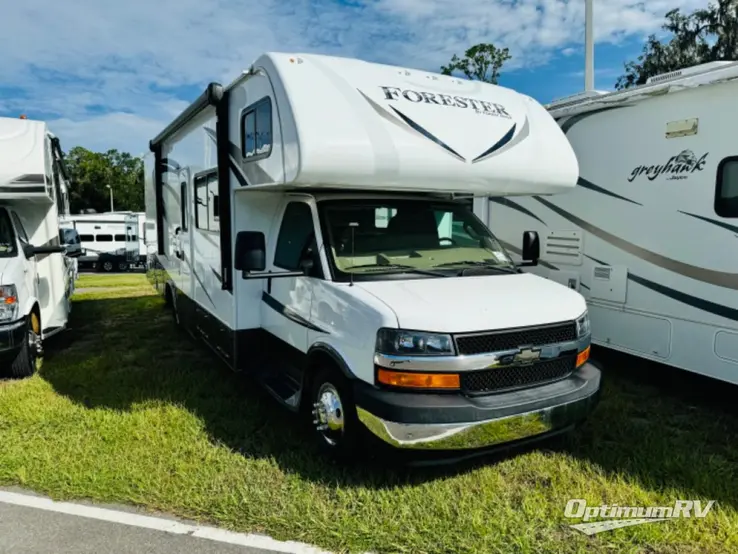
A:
{"points": [[123, 266], [336, 427], [106, 266], [25, 363]]}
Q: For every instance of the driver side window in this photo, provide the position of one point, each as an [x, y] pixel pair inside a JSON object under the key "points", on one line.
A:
{"points": [[19, 229], [296, 237]]}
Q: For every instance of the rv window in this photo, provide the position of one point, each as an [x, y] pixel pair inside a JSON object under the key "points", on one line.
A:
{"points": [[19, 228], [7, 237], [201, 202], [104, 238], [216, 208], [87, 238], [183, 205], [120, 238], [296, 230], [726, 194], [256, 130]]}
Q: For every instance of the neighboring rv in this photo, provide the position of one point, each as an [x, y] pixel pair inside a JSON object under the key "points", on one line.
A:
{"points": [[647, 235], [37, 278], [307, 231], [111, 241]]}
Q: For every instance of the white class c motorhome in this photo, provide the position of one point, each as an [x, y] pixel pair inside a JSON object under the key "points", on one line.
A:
{"points": [[644, 235], [36, 278], [110, 241], [307, 231]]}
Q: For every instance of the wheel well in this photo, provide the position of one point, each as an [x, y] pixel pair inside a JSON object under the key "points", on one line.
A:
{"points": [[168, 296], [320, 358], [37, 310]]}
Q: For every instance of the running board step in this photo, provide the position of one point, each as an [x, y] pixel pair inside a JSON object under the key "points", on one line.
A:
{"points": [[283, 386]]}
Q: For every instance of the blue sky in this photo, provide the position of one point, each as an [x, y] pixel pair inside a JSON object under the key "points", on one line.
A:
{"points": [[111, 74]]}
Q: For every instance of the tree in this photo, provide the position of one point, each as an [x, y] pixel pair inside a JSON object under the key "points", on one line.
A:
{"points": [[481, 63], [705, 35], [92, 172]]}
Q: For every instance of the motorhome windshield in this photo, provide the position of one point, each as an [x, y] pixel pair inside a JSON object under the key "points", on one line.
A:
{"points": [[8, 246], [399, 235]]}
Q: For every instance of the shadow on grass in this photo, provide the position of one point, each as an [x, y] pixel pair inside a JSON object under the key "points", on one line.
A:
{"points": [[125, 351]]}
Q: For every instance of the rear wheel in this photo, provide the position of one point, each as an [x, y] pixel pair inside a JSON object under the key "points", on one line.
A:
{"points": [[107, 265], [335, 424], [25, 363]]}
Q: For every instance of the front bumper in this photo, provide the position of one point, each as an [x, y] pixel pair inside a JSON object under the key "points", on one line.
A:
{"points": [[11, 337], [456, 422]]}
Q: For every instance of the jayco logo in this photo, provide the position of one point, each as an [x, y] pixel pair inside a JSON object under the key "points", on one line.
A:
{"points": [[480, 107], [677, 167]]}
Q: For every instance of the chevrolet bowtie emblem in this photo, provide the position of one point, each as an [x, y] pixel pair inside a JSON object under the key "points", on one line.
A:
{"points": [[526, 356]]}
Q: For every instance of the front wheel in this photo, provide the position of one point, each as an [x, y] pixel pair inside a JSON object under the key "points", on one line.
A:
{"points": [[26, 361], [123, 266], [336, 426]]}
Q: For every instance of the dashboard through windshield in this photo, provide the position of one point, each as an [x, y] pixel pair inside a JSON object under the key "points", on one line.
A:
{"points": [[400, 235]]}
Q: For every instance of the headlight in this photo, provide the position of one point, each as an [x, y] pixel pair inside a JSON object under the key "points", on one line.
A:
{"points": [[583, 325], [8, 303], [413, 343]]}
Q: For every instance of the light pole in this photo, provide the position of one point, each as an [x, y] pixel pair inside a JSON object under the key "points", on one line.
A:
{"points": [[588, 45], [111, 197]]}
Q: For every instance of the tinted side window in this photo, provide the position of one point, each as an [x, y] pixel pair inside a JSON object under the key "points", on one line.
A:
{"points": [[256, 130], [19, 228], [726, 190], [87, 238], [104, 238], [294, 234]]}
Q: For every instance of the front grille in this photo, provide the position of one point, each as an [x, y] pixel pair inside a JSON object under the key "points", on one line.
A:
{"points": [[512, 377], [509, 340]]}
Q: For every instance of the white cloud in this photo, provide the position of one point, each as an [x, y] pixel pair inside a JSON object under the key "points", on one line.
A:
{"points": [[72, 60]]}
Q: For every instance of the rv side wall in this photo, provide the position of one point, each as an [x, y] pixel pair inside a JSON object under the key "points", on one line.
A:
{"points": [[640, 234]]}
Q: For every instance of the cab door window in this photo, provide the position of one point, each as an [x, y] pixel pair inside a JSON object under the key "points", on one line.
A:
{"points": [[296, 240]]}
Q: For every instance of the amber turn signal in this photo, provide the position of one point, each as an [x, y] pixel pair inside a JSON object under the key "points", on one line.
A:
{"points": [[418, 380], [582, 357]]}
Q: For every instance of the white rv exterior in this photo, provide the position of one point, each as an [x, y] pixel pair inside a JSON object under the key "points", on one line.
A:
{"points": [[36, 278], [111, 240], [307, 231], [646, 236]]}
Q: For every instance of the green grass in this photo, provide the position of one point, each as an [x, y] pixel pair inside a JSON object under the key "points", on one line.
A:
{"points": [[129, 409]]}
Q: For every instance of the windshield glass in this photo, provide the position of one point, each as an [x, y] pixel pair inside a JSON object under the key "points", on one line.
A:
{"points": [[8, 247], [388, 235]]}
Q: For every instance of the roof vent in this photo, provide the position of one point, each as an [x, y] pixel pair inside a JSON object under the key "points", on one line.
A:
{"points": [[686, 72], [574, 98]]}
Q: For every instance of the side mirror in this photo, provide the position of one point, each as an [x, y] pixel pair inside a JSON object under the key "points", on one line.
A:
{"points": [[73, 253], [48, 249], [250, 251], [531, 247], [28, 251]]}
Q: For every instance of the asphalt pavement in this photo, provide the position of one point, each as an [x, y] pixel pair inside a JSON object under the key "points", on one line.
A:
{"points": [[32, 524]]}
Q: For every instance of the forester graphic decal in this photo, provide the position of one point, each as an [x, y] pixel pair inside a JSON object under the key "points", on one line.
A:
{"points": [[480, 107], [505, 142], [677, 167]]}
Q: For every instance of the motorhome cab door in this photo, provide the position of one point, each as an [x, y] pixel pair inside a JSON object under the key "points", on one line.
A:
{"points": [[288, 300], [30, 271]]}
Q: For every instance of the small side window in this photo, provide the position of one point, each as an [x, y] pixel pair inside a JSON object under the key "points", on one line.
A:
{"points": [[19, 228], [120, 238], [726, 189], [256, 130], [295, 234], [87, 238], [183, 201]]}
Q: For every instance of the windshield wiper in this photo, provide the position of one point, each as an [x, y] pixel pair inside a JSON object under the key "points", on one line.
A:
{"points": [[407, 268], [486, 265]]}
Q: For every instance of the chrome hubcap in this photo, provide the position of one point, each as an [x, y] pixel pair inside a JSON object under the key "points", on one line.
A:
{"points": [[328, 414]]}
